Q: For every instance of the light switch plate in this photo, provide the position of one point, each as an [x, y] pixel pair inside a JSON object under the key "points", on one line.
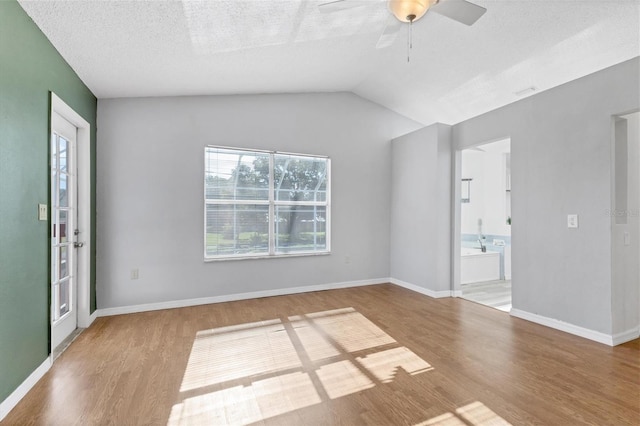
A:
{"points": [[572, 221], [42, 212]]}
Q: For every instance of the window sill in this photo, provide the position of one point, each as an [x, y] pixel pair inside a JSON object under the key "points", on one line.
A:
{"points": [[276, 256]]}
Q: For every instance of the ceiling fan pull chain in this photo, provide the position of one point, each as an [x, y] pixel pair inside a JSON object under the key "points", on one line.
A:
{"points": [[411, 35], [409, 41], [410, 18]]}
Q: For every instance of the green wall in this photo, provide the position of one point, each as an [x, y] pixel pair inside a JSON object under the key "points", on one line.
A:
{"points": [[30, 68]]}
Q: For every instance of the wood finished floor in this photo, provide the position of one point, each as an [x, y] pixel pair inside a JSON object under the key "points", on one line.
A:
{"points": [[463, 364], [496, 294]]}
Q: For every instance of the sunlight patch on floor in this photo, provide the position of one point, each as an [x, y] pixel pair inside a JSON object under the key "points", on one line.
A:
{"points": [[476, 414], [479, 414], [348, 328], [343, 378], [446, 419], [250, 372], [385, 364], [247, 404], [230, 353]]}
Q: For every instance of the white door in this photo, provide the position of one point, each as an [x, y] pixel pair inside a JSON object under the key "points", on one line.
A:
{"points": [[64, 219]]}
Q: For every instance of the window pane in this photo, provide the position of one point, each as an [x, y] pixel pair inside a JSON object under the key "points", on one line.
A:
{"points": [[64, 200], [65, 298], [300, 228], [63, 226], [298, 178], [64, 271], [236, 175], [59, 226], [64, 148], [237, 229]]}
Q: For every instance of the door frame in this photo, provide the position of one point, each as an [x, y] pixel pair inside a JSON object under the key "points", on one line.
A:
{"points": [[456, 229], [83, 158]]}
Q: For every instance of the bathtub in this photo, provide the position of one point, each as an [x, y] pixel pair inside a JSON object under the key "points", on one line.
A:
{"points": [[476, 266]]}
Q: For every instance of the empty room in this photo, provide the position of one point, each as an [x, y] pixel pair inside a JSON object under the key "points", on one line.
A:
{"points": [[313, 212]]}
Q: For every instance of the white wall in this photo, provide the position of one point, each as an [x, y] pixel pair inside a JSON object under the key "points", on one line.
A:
{"points": [[472, 168], [488, 193], [626, 257], [561, 164], [150, 191], [421, 208]]}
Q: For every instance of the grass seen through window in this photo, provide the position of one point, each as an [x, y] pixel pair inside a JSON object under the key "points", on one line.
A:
{"points": [[265, 204]]}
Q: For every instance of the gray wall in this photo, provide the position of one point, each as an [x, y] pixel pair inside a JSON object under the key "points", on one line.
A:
{"points": [[561, 164], [150, 193], [421, 208]]}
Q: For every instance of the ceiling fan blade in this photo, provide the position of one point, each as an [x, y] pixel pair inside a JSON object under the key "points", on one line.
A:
{"points": [[337, 5], [390, 33], [459, 10]]}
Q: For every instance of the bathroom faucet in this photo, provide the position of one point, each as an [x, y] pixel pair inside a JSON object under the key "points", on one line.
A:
{"points": [[482, 246]]}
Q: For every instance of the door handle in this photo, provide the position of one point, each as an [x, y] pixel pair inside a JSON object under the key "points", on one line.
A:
{"points": [[77, 244]]}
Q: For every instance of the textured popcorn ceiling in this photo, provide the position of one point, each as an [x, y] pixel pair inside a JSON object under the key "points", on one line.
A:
{"points": [[159, 48]]}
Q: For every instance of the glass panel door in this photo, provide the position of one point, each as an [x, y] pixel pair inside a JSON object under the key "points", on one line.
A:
{"points": [[63, 225]]}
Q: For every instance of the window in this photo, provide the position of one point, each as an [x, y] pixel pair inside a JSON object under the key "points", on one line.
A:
{"points": [[260, 203]]}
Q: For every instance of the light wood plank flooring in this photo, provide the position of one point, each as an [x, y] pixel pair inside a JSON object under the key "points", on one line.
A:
{"points": [[496, 294], [376, 355]]}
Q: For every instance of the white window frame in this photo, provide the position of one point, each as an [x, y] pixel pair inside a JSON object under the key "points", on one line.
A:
{"points": [[271, 203]]}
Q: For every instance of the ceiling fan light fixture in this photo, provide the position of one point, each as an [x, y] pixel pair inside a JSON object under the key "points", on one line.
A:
{"points": [[410, 10]]}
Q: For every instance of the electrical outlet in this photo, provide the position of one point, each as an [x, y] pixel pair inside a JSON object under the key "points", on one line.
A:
{"points": [[42, 212], [135, 274], [347, 259], [572, 221]]}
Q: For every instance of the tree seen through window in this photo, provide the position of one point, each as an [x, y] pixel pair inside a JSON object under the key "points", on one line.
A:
{"points": [[261, 203]]}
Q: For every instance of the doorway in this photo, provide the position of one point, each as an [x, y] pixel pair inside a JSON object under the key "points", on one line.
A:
{"points": [[70, 238], [485, 224], [625, 220]]}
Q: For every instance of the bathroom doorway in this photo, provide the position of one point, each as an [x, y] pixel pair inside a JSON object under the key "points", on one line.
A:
{"points": [[485, 224], [625, 221]]}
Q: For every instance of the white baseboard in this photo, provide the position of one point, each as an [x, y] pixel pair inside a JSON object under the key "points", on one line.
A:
{"points": [[421, 290], [12, 400], [233, 297], [626, 336], [596, 336], [456, 293]]}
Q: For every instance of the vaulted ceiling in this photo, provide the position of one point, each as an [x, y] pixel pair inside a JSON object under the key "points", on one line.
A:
{"points": [[215, 47]]}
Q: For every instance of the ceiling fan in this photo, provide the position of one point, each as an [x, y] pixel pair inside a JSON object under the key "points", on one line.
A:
{"points": [[409, 11]]}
